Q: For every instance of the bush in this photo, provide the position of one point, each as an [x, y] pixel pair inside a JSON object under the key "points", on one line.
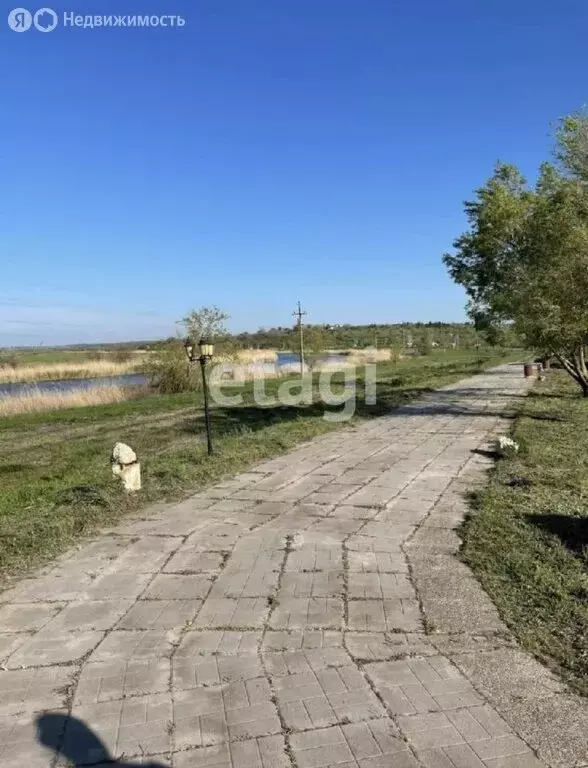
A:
{"points": [[425, 345], [9, 360], [171, 372]]}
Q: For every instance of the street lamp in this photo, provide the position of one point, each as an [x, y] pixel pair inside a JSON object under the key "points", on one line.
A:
{"points": [[206, 349]]}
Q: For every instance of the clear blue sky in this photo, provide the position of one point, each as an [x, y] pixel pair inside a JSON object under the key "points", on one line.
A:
{"points": [[269, 150]]}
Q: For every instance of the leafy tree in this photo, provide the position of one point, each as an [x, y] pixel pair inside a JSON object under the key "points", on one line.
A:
{"points": [[524, 257], [425, 343], [572, 144], [206, 322], [315, 338]]}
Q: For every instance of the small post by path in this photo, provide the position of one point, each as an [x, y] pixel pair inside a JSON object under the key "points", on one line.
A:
{"points": [[299, 313]]}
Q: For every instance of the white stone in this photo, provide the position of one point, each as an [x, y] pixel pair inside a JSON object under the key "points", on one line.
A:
{"points": [[123, 454], [506, 445], [130, 474], [125, 465]]}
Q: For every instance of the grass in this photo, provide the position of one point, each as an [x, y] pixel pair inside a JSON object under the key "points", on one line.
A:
{"points": [[35, 400], [527, 538], [56, 479]]}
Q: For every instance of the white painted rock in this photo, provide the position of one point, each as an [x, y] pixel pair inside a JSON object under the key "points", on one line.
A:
{"points": [[130, 474], [506, 445], [125, 465], [123, 454]]}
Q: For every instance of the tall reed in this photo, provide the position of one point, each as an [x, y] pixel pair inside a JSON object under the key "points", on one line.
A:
{"points": [[35, 400], [257, 356], [87, 369]]}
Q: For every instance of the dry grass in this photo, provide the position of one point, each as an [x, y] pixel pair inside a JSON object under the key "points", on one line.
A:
{"points": [[35, 400], [88, 369], [363, 356], [239, 372], [329, 366], [257, 356], [357, 358]]}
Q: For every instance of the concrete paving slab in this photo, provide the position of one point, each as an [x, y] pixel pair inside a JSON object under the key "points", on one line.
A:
{"points": [[102, 681], [228, 613], [308, 612], [34, 690], [191, 560], [19, 745], [316, 583], [132, 645], [263, 752], [27, 618], [126, 727], [46, 649], [160, 614], [88, 615], [168, 586], [218, 643], [390, 615], [298, 639], [384, 646]]}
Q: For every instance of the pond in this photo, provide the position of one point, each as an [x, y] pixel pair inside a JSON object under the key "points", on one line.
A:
{"points": [[133, 379]]}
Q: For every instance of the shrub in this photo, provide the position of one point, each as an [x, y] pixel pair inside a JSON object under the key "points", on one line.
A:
{"points": [[425, 344], [171, 372], [9, 360]]}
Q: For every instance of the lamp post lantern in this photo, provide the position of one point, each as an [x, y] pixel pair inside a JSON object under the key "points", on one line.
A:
{"points": [[206, 349]]}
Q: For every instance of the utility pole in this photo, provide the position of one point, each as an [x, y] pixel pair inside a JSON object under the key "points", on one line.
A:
{"points": [[298, 314]]}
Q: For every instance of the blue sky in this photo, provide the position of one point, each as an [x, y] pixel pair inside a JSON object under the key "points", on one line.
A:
{"points": [[267, 151]]}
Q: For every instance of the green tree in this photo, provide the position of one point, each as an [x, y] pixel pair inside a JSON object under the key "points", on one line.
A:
{"points": [[572, 144], [524, 258], [425, 343], [315, 338]]}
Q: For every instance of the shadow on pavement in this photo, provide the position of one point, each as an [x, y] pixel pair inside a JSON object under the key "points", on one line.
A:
{"points": [[71, 739], [416, 401], [486, 454]]}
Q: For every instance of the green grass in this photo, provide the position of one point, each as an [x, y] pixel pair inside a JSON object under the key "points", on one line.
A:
{"points": [[55, 474], [527, 538]]}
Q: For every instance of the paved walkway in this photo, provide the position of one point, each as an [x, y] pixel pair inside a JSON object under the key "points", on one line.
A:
{"points": [[309, 613]]}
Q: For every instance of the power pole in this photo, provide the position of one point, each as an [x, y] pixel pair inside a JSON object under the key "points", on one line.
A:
{"points": [[298, 314]]}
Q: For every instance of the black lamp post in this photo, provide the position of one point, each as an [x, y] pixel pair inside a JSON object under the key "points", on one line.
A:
{"points": [[206, 352]]}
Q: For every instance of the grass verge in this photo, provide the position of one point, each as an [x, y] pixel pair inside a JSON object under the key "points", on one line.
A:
{"points": [[54, 467], [527, 537]]}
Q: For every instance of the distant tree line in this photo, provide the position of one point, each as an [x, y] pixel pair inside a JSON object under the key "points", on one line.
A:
{"points": [[417, 336]]}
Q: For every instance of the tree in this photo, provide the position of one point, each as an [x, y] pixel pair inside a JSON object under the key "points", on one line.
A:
{"points": [[315, 338], [425, 343], [206, 322], [524, 258], [572, 144]]}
